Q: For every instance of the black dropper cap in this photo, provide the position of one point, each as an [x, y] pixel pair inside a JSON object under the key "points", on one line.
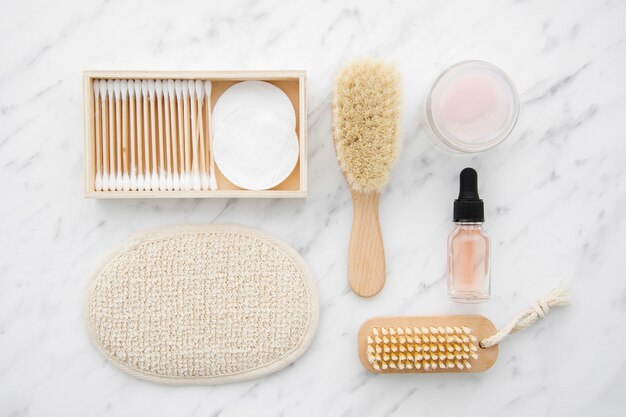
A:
{"points": [[469, 207]]}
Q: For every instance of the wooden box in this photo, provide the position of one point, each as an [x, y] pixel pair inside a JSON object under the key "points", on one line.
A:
{"points": [[293, 83]]}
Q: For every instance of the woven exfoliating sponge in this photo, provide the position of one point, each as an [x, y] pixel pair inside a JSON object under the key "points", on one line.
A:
{"points": [[366, 113], [205, 304]]}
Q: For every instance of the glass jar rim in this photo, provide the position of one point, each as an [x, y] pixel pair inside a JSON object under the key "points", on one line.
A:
{"points": [[458, 144]]}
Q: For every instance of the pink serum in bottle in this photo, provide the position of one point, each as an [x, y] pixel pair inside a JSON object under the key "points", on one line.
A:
{"points": [[468, 245]]}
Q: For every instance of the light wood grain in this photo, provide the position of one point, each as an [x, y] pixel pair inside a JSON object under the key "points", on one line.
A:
{"points": [[366, 256], [481, 328]]}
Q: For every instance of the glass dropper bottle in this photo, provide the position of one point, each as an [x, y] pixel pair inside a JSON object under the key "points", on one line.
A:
{"points": [[469, 245]]}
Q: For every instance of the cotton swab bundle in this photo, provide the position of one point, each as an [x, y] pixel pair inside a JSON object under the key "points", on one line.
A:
{"points": [[152, 135]]}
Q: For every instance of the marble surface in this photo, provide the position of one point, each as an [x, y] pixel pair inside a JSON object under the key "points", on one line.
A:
{"points": [[555, 195]]}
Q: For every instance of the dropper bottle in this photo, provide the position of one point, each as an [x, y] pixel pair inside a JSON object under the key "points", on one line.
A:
{"points": [[469, 245]]}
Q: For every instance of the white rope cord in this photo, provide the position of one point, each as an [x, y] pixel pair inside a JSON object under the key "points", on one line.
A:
{"points": [[558, 297]]}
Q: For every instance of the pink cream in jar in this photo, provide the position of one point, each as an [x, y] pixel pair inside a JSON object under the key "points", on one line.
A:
{"points": [[472, 107]]}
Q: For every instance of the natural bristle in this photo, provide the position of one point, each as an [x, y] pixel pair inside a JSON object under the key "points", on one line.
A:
{"points": [[366, 113], [425, 348]]}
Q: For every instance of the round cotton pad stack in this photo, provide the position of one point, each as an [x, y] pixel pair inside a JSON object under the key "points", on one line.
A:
{"points": [[255, 145]]}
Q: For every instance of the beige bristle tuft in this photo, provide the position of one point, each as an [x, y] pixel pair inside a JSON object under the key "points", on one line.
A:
{"points": [[441, 349], [366, 114], [426, 344]]}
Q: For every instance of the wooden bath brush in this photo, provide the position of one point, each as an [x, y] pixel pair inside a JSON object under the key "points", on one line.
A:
{"points": [[366, 112], [424, 344]]}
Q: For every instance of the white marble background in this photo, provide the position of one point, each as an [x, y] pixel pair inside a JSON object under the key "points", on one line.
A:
{"points": [[555, 197]]}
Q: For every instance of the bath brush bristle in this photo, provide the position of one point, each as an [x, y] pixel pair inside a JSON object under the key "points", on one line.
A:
{"points": [[366, 119], [426, 344]]}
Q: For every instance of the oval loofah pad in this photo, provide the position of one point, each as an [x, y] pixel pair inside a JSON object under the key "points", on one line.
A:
{"points": [[205, 304]]}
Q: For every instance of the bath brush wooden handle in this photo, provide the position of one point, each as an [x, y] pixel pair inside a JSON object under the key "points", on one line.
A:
{"points": [[366, 259], [426, 344]]}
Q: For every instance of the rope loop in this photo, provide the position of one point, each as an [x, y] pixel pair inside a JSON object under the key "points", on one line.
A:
{"points": [[541, 308], [559, 296]]}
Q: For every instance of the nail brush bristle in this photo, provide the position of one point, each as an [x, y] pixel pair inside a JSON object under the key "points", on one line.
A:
{"points": [[423, 348]]}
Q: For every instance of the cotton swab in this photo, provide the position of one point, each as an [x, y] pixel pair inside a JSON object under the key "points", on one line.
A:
{"points": [[173, 134], [118, 135], [153, 136], [112, 131], [178, 86], [213, 179], [167, 139], [133, 157], [158, 86], [105, 135], [194, 135], [187, 179], [97, 121], [146, 136], [141, 184], [204, 176], [125, 150]]}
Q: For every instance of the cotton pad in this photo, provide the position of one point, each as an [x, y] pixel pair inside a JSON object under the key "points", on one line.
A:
{"points": [[254, 95], [254, 149], [255, 145]]}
